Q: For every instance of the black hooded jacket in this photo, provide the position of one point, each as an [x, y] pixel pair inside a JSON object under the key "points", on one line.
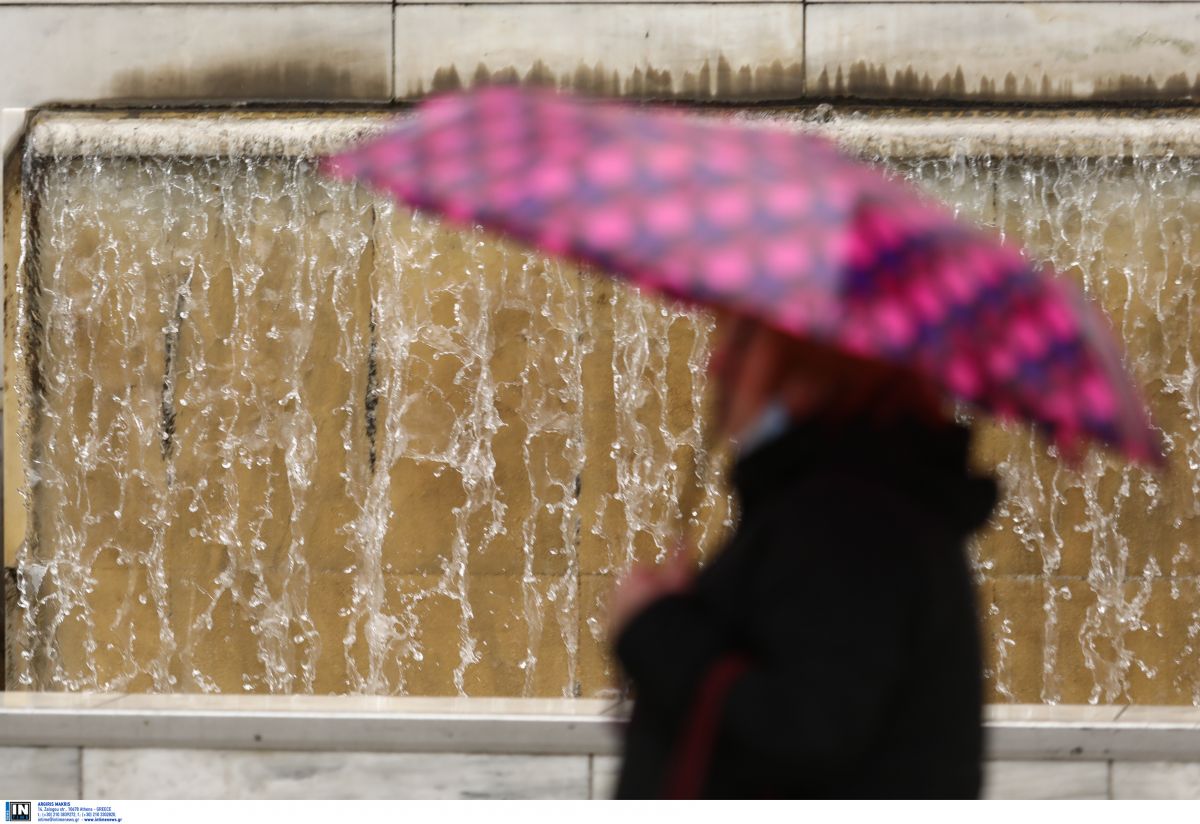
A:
{"points": [[831, 649]]}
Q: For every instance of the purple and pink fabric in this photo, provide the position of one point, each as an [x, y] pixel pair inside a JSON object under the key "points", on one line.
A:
{"points": [[775, 224]]}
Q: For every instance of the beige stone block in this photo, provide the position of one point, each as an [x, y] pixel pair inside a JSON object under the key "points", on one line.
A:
{"points": [[482, 635], [523, 630], [1041, 516], [656, 474], [223, 637], [1167, 666], [1110, 636], [1031, 780], [599, 673], [435, 649], [41, 773], [600, 517], [1013, 631], [1076, 679], [486, 378], [106, 629], [233, 774], [1002, 51], [99, 353], [688, 50], [606, 770], [537, 474], [1001, 551], [327, 628], [1155, 780], [233, 52], [256, 390], [424, 526]]}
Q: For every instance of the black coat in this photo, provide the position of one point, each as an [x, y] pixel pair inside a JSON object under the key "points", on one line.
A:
{"points": [[831, 649]]}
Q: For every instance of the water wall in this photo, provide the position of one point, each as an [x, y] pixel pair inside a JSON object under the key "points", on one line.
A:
{"points": [[277, 435], [285, 437]]}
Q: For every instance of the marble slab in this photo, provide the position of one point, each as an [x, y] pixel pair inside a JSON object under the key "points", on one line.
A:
{"points": [[1044, 780], [16, 701], [217, 774], [39, 772], [406, 705], [927, 2], [514, 726], [341, 723], [605, 770], [308, 52], [1178, 716], [1148, 735], [723, 51], [175, 2], [1004, 51], [1156, 780], [1054, 713]]}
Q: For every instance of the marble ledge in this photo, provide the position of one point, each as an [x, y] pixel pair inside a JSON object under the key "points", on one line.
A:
{"points": [[1093, 733], [435, 2], [311, 722], [512, 2], [211, 2], [884, 130], [513, 725]]}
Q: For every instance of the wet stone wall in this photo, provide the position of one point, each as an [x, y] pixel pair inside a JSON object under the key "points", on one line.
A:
{"points": [[280, 436]]}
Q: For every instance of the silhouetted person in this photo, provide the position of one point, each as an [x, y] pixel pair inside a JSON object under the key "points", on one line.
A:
{"points": [[831, 648]]}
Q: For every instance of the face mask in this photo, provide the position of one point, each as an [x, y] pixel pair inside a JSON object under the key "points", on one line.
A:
{"points": [[772, 422]]}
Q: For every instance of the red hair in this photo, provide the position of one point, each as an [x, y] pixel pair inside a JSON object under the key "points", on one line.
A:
{"points": [[754, 364]]}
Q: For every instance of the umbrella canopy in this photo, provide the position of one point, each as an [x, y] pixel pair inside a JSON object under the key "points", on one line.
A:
{"points": [[777, 225]]}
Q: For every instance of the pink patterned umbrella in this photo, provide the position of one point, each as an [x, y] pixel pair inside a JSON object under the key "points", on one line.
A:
{"points": [[777, 225]]}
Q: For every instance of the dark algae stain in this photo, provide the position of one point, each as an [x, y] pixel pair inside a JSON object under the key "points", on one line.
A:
{"points": [[779, 80], [877, 81], [772, 81], [267, 78]]}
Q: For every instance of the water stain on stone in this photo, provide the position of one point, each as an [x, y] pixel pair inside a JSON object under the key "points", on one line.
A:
{"points": [[171, 335], [772, 81], [1133, 87], [868, 80], [373, 391], [263, 79]]}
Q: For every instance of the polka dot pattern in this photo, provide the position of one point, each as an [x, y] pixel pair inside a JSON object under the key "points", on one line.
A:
{"points": [[774, 224]]}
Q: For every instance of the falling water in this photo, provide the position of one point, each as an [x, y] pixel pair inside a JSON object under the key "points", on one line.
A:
{"points": [[281, 436], [284, 437], [1106, 551]]}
